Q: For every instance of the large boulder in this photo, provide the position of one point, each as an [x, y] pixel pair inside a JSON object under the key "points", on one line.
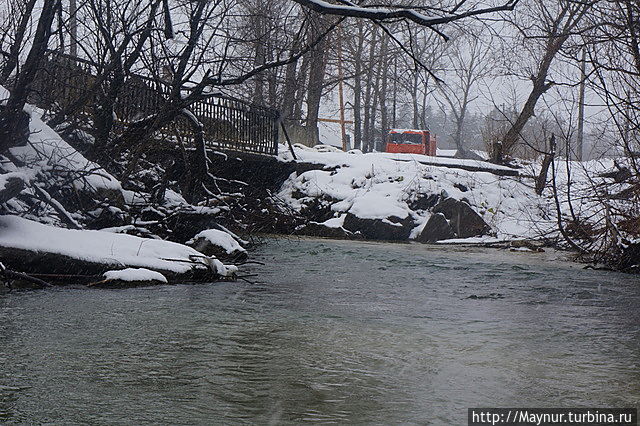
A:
{"points": [[437, 228], [464, 221], [392, 228]]}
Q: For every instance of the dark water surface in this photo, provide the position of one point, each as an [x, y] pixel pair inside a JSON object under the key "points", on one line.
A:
{"points": [[333, 332]]}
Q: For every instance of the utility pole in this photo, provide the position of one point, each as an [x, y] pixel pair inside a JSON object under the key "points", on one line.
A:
{"points": [[583, 77], [343, 128]]}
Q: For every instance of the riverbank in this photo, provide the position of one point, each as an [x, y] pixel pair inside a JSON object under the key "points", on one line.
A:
{"points": [[322, 192]]}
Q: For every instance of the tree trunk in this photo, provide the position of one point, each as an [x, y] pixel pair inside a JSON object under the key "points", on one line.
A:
{"points": [[317, 66], [289, 91], [384, 113], [541, 180], [540, 86], [367, 133], [259, 59], [299, 89], [14, 52], [414, 101], [10, 116], [357, 90]]}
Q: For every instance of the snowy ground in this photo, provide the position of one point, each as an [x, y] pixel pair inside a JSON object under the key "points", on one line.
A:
{"points": [[377, 186]]}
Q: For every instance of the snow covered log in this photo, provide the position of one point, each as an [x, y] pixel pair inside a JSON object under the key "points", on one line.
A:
{"points": [[32, 247], [331, 228]]}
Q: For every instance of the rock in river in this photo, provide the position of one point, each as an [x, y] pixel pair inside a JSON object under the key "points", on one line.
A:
{"points": [[464, 221]]}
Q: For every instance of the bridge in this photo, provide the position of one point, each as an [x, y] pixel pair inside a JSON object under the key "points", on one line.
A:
{"points": [[228, 123]]}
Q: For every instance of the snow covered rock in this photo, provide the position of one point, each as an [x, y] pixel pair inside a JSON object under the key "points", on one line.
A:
{"points": [[425, 202], [219, 244], [464, 221]]}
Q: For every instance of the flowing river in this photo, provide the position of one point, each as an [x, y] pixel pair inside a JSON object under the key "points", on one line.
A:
{"points": [[332, 331]]}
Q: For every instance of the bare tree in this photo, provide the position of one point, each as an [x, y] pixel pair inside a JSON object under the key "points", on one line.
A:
{"points": [[543, 29], [468, 61], [11, 116]]}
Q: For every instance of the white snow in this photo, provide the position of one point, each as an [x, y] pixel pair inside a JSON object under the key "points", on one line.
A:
{"points": [[220, 239], [103, 247], [329, 155], [335, 222], [446, 152], [135, 274]]}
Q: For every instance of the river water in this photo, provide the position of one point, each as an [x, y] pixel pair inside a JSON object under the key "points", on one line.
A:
{"points": [[333, 331]]}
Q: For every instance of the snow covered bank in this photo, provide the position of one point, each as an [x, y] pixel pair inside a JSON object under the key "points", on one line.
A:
{"points": [[356, 189], [46, 150], [29, 243]]}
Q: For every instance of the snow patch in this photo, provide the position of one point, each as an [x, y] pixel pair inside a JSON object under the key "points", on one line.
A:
{"points": [[135, 274]]}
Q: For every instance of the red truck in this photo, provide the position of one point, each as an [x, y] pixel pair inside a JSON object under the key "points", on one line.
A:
{"points": [[411, 141]]}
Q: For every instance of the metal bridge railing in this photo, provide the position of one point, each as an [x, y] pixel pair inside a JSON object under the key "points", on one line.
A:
{"points": [[228, 123]]}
